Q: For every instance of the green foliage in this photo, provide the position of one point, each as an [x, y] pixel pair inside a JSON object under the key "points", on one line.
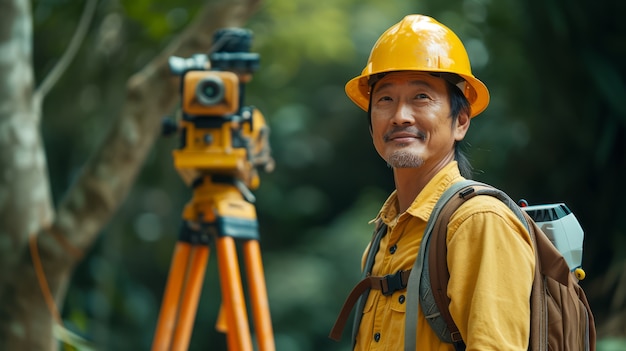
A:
{"points": [[159, 19], [611, 344]]}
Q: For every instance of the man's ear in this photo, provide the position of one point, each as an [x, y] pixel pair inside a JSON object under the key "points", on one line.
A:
{"points": [[461, 125]]}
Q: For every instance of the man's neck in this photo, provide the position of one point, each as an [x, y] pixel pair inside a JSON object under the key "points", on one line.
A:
{"points": [[411, 181]]}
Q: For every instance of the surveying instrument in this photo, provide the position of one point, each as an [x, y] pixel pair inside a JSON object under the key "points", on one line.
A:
{"points": [[223, 144]]}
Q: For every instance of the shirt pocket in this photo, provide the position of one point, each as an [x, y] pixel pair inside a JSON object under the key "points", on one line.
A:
{"points": [[398, 302], [394, 329]]}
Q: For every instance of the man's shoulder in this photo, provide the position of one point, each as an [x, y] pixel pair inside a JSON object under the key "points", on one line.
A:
{"points": [[488, 208]]}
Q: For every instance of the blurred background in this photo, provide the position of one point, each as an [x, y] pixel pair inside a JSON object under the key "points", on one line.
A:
{"points": [[554, 132]]}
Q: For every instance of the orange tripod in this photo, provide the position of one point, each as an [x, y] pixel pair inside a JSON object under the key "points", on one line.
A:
{"points": [[218, 212], [223, 143]]}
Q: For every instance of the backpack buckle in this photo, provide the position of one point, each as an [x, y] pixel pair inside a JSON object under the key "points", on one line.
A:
{"points": [[392, 283]]}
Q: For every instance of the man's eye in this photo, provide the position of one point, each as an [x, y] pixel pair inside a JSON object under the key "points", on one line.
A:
{"points": [[421, 96]]}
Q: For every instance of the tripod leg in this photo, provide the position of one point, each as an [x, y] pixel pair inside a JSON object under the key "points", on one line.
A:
{"points": [[191, 295], [171, 298], [258, 295], [238, 335], [180, 301]]}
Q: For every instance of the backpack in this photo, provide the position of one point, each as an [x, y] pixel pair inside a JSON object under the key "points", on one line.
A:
{"points": [[561, 318]]}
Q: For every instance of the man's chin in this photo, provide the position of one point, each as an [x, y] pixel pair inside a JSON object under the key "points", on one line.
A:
{"points": [[404, 160]]}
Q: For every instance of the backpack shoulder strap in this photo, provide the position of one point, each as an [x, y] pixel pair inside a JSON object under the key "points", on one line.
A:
{"points": [[360, 292], [428, 289], [379, 232], [413, 288]]}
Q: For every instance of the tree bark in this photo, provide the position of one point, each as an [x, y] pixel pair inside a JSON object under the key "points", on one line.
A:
{"points": [[26, 321], [25, 199]]}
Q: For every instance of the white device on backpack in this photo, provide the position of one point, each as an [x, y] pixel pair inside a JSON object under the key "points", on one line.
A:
{"points": [[562, 228]]}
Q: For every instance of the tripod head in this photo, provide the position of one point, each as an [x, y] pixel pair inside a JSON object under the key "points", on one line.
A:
{"points": [[219, 134]]}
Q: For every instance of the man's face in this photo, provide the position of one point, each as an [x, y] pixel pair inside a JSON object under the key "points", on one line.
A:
{"points": [[411, 123]]}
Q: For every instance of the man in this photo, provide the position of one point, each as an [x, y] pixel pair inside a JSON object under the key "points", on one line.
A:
{"points": [[421, 96]]}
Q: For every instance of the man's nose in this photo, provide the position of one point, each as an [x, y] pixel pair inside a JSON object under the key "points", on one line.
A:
{"points": [[402, 115]]}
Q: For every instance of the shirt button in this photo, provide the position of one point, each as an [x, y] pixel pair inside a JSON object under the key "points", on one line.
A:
{"points": [[377, 337], [392, 250], [401, 299]]}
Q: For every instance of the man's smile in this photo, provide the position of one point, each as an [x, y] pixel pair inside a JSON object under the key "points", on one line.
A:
{"points": [[406, 134]]}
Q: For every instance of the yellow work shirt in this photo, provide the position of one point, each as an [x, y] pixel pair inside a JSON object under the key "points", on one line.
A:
{"points": [[491, 264]]}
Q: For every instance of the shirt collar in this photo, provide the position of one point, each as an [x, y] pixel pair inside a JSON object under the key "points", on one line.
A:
{"points": [[425, 201]]}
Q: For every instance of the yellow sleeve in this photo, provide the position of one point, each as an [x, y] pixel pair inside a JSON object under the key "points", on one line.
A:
{"points": [[491, 263]]}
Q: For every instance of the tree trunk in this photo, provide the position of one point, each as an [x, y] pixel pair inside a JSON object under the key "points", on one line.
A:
{"points": [[25, 200], [26, 211]]}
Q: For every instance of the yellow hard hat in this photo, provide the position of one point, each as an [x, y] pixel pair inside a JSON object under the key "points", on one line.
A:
{"points": [[419, 43]]}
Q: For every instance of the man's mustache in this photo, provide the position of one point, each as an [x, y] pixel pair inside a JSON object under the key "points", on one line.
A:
{"points": [[412, 130]]}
